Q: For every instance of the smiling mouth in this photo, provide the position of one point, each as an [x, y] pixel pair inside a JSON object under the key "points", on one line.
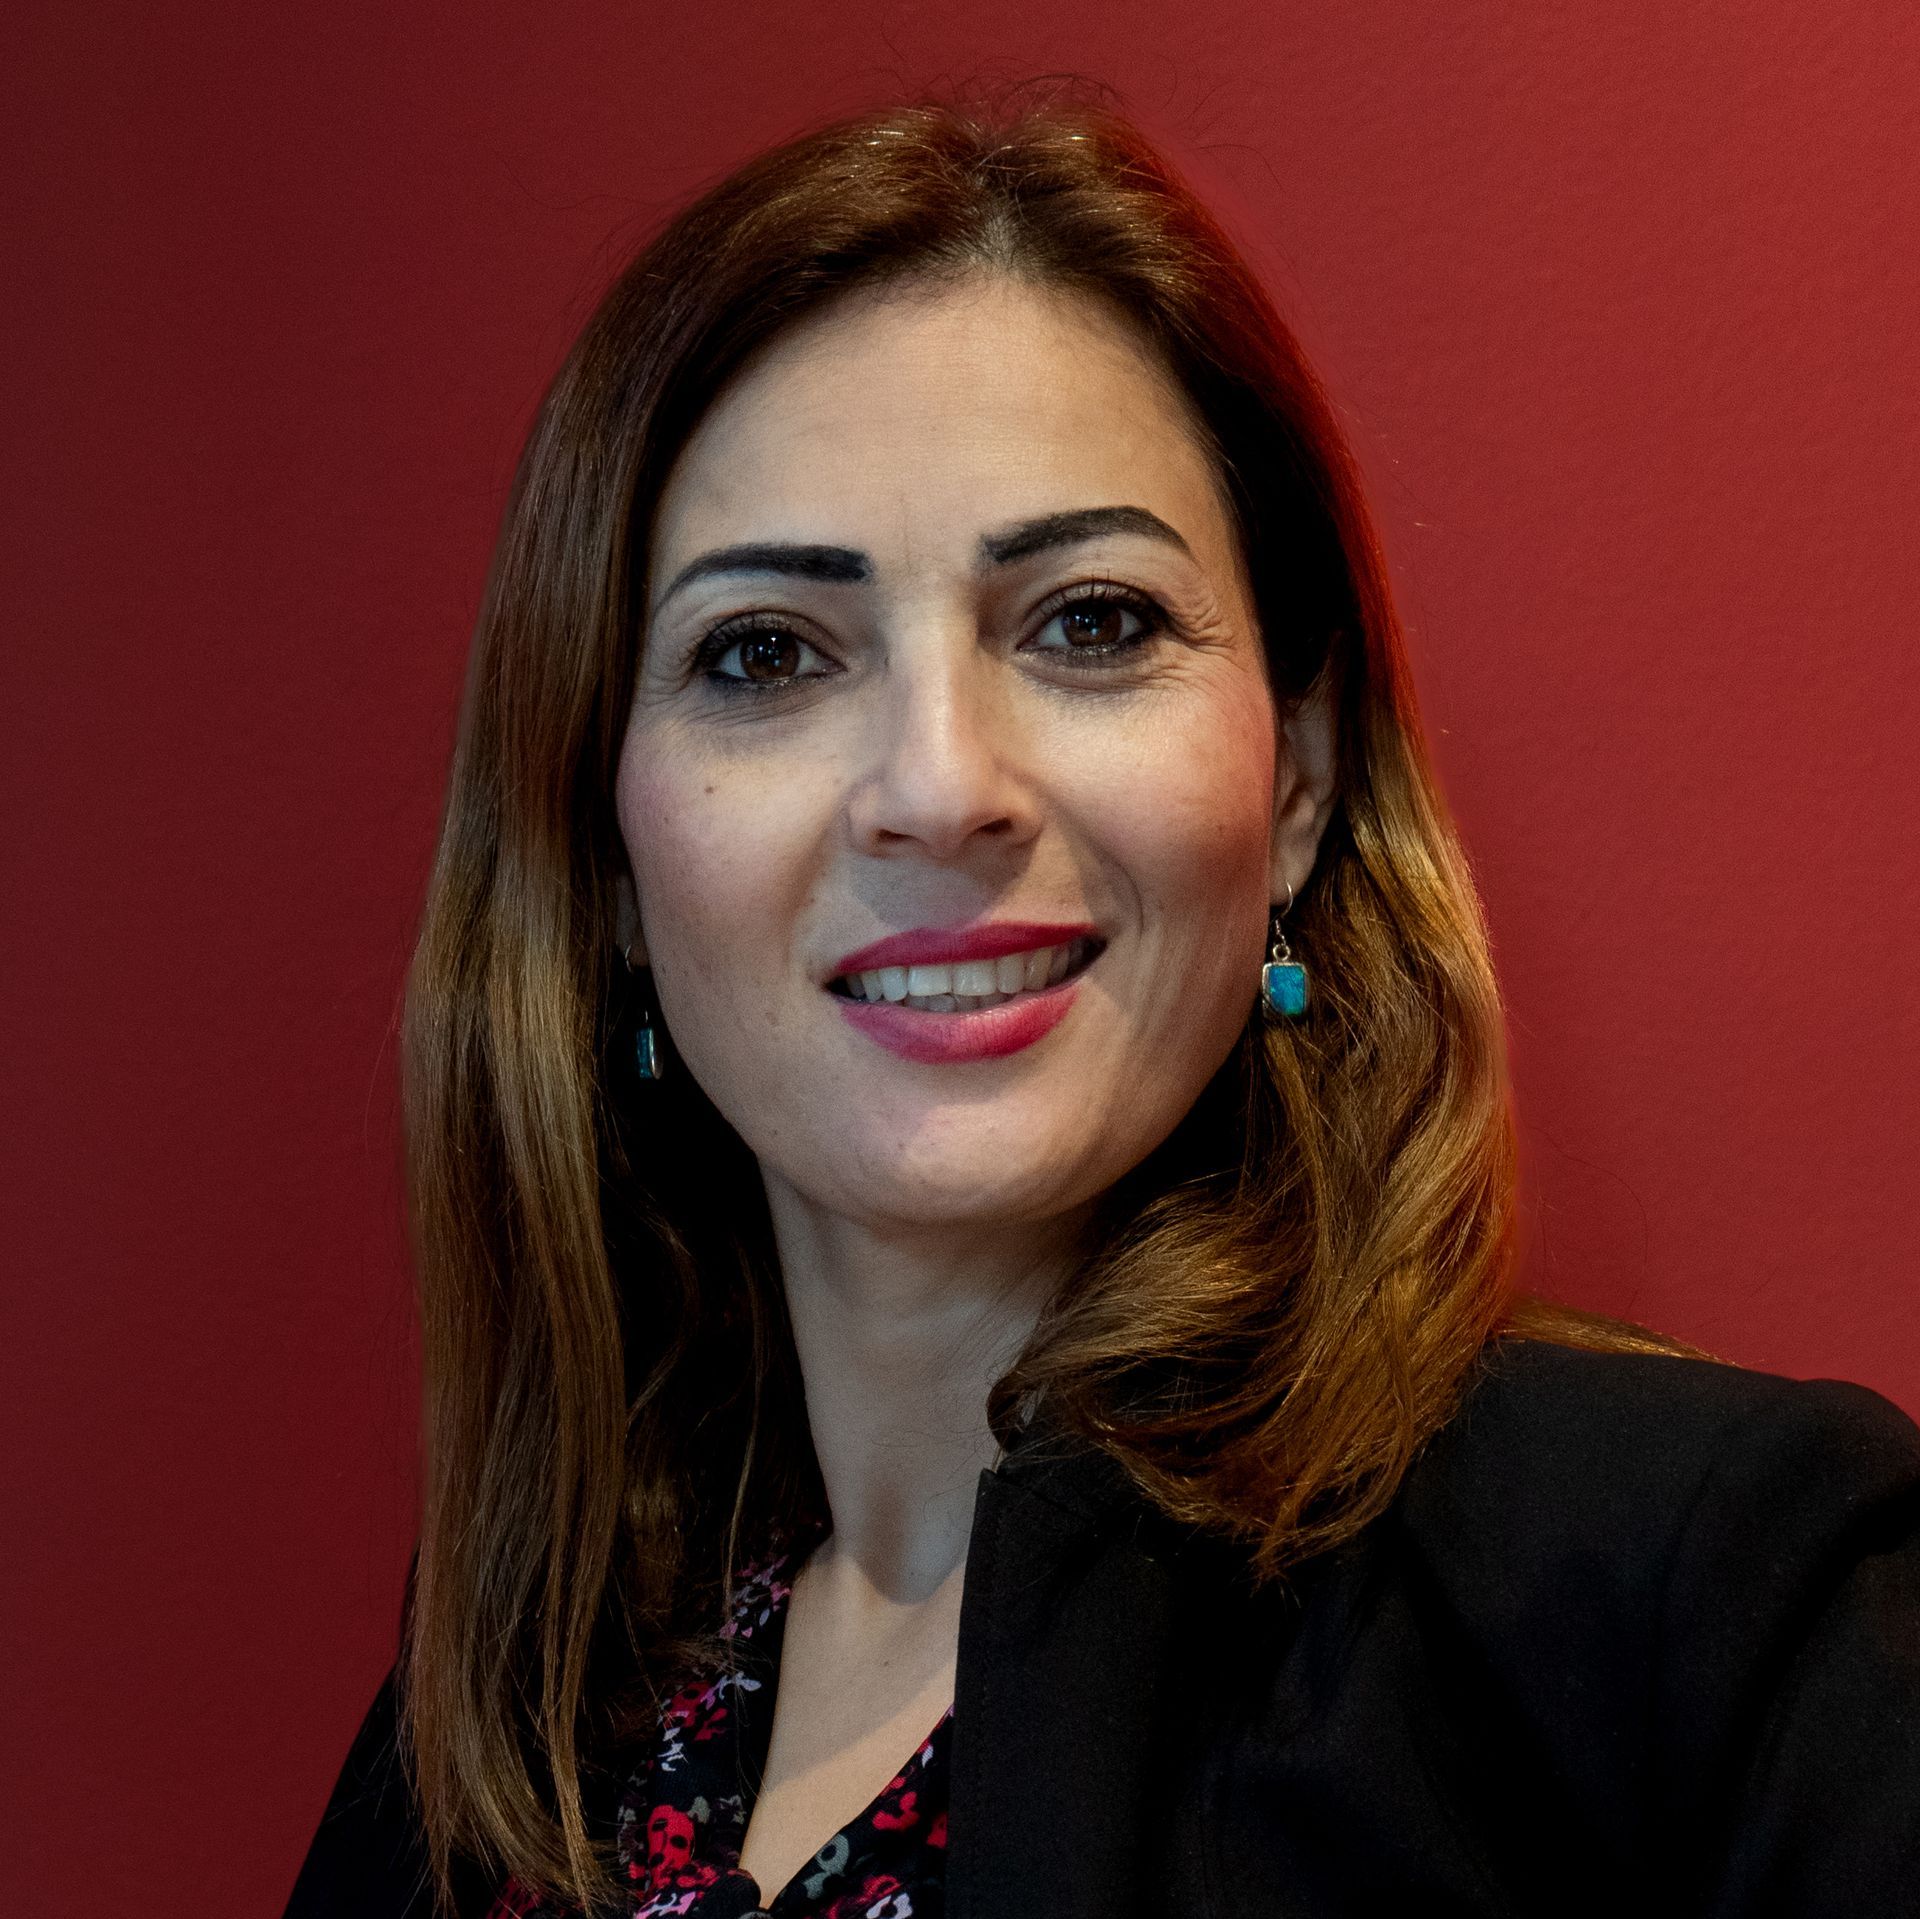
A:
{"points": [[971, 986]]}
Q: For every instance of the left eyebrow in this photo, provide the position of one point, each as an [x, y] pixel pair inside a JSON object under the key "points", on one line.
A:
{"points": [[1028, 537]]}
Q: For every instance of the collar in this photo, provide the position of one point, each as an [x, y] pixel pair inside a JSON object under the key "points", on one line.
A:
{"points": [[1049, 1461]]}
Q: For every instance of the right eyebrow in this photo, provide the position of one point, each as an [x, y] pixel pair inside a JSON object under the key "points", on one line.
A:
{"points": [[839, 565]]}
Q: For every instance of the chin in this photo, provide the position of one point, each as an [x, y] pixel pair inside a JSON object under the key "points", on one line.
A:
{"points": [[980, 1191]]}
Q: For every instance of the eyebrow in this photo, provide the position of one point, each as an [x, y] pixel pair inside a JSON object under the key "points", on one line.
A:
{"points": [[1029, 537], [846, 565], [839, 565]]}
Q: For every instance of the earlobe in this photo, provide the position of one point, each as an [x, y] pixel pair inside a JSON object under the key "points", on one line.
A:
{"points": [[1305, 777]]}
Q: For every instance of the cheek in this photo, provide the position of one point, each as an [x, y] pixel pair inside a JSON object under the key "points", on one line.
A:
{"points": [[668, 842], [1185, 817], [715, 856], [1188, 813]]}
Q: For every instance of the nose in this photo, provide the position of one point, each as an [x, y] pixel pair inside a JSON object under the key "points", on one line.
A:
{"points": [[943, 768]]}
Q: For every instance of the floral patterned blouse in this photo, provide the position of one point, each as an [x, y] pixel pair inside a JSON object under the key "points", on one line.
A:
{"points": [[683, 1819]]}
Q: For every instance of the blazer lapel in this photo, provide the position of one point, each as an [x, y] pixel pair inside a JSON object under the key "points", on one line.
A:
{"points": [[1065, 1620]]}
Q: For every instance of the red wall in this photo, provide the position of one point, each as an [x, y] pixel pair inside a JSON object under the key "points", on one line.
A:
{"points": [[1621, 301]]}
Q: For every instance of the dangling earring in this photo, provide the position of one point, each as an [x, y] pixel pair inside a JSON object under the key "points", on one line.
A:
{"points": [[1283, 980], [646, 1042]]}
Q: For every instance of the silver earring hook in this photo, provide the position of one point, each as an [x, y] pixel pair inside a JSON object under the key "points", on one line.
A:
{"points": [[1283, 980], [626, 953], [1280, 952]]}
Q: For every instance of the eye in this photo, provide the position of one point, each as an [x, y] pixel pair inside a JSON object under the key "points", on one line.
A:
{"points": [[758, 654], [1097, 622]]}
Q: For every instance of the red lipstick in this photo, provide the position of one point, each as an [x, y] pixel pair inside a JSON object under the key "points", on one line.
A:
{"points": [[947, 1039], [987, 1032], [941, 946]]}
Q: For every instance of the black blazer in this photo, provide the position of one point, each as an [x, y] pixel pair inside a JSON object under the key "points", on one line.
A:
{"points": [[1638, 1636]]}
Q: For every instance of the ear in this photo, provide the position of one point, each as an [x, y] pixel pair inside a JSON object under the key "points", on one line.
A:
{"points": [[626, 919], [1303, 786]]}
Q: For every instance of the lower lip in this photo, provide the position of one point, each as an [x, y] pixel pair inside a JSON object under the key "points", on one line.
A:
{"points": [[947, 1039]]}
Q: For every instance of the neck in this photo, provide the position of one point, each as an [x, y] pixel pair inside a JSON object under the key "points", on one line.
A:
{"points": [[901, 1333]]}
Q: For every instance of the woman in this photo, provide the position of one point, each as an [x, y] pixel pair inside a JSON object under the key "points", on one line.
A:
{"points": [[961, 1167]]}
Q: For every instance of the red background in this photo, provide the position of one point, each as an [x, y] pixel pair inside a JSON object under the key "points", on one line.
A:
{"points": [[1621, 304]]}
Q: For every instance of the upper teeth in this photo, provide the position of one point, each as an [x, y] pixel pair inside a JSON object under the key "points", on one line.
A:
{"points": [[964, 984]]}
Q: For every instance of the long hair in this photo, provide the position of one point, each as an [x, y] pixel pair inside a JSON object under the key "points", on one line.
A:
{"points": [[1281, 1304]]}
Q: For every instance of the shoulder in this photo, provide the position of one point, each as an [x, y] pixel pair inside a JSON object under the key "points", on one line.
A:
{"points": [[1625, 1472], [1595, 1440], [1692, 1595], [1669, 1530], [1566, 1437], [369, 1854]]}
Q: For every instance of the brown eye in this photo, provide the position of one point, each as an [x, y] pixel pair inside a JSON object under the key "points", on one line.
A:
{"points": [[1100, 626], [1094, 623], [765, 658], [769, 656]]}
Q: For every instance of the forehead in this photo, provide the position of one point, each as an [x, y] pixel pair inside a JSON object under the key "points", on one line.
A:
{"points": [[903, 415]]}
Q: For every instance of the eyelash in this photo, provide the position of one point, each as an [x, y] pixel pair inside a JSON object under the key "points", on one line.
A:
{"points": [[716, 645], [1153, 617]]}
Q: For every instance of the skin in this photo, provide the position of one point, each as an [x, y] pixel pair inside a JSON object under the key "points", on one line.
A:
{"points": [[941, 746]]}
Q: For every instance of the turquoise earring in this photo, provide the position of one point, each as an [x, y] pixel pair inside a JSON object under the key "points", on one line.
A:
{"points": [[646, 1042], [1283, 980]]}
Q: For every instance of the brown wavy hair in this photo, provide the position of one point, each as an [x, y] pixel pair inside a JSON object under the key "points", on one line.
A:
{"points": [[1281, 1304]]}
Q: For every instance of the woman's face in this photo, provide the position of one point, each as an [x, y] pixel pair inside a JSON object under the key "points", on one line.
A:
{"points": [[951, 688]]}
